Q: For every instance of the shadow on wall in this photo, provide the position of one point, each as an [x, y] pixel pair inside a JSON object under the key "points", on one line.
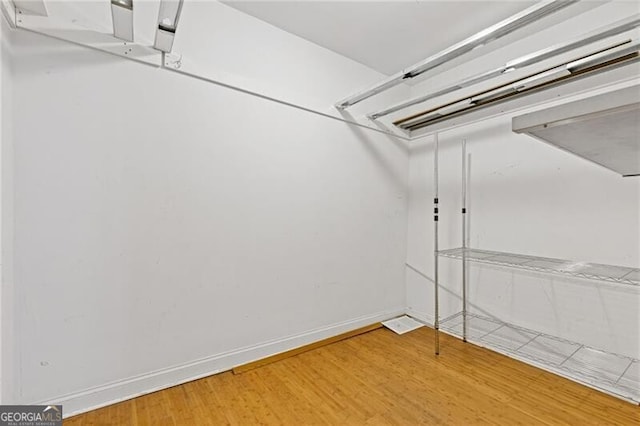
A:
{"points": [[552, 282], [400, 181], [422, 146], [470, 305]]}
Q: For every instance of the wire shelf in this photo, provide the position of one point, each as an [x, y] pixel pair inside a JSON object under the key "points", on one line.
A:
{"points": [[592, 271], [612, 373]]}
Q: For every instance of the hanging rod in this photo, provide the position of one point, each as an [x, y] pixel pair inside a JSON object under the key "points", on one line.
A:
{"points": [[621, 54], [601, 33], [494, 32]]}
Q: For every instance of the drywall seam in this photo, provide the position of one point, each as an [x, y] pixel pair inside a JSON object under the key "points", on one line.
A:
{"points": [[407, 203], [121, 390]]}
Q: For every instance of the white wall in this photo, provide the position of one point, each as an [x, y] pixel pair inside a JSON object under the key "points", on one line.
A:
{"points": [[531, 198], [166, 228], [239, 49], [6, 286]]}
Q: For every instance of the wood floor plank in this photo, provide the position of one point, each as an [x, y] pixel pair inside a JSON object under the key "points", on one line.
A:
{"points": [[377, 378], [288, 354]]}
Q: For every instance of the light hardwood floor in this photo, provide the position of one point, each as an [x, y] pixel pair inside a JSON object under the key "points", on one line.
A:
{"points": [[377, 378]]}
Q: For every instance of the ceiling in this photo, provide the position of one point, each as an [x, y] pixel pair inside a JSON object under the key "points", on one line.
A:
{"points": [[387, 36]]}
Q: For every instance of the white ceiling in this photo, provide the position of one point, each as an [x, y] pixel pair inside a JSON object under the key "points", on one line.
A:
{"points": [[384, 35]]}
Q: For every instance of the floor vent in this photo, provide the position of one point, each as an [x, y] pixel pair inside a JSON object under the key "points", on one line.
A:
{"points": [[403, 324]]}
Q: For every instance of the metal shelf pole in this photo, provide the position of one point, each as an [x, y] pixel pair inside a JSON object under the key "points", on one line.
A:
{"points": [[436, 322], [464, 240]]}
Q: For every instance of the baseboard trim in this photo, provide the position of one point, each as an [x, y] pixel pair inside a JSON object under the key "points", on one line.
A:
{"points": [[302, 349], [122, 390]]}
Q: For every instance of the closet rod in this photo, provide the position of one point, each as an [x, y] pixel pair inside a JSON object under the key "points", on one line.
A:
{"points": [[602, 33], [494, 32]]}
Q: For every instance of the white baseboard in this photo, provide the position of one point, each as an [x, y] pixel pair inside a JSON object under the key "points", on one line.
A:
{"points": [[121, 390]]}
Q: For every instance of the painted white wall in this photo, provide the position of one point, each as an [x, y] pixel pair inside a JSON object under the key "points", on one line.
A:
{"points": [[237, 48], [527, 197], [166, 228], [4, 107], [6, 283]]}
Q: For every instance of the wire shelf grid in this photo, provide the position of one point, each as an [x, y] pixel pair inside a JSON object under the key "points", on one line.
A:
{"points": [[592, 271], [606, 371]]}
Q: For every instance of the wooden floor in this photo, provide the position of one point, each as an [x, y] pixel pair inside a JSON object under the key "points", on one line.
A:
{"points": [[377, 378]]}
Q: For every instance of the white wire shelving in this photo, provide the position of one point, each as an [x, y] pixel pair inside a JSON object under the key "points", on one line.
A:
{"points": [[609, 372], [616, 374], [593, 271]]}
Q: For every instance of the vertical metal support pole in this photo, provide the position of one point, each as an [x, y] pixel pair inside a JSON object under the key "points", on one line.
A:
{"points": [[464, 240], [436, 322]]}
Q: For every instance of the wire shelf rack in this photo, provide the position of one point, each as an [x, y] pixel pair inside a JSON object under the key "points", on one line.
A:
{"points": [[612, 373], [592, 271]]}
